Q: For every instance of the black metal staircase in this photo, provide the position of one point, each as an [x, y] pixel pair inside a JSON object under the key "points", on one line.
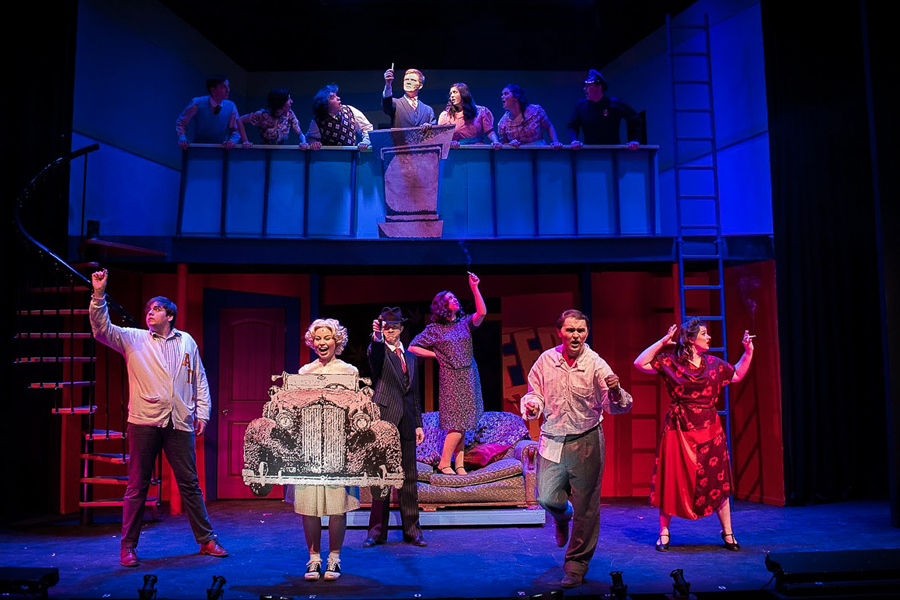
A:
{"points": [[58, 355]]}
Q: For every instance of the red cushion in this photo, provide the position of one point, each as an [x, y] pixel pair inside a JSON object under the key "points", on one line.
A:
{"points": [[481, 455]]}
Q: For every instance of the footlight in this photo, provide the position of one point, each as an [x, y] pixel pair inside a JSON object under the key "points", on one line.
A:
{"points": [[148, 592], [618, 589], [682, 589], [216, 590]]}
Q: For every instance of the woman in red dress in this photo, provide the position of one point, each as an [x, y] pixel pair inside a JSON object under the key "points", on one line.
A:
{"points": [[692, 474]]}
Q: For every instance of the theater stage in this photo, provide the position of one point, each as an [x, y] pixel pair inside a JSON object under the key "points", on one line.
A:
{"points": [[268, 555]]}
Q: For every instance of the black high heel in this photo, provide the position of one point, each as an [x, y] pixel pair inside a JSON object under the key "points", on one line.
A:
{"points": [[732, 545], [660, 547]]}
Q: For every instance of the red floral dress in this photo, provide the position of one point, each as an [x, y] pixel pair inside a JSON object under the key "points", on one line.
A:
{"points": [[692, 473]]}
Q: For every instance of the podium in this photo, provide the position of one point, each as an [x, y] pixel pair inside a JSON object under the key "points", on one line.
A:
{"points": [[410, 157]]}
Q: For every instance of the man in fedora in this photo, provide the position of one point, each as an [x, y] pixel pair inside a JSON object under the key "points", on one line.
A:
{"points": [[397, 394], [599, 117]]}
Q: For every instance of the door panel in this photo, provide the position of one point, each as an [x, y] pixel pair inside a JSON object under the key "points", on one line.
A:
{"points": [[251, 350]]}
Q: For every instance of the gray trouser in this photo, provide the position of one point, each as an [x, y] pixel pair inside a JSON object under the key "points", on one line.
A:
{"points": [[579, 473]]}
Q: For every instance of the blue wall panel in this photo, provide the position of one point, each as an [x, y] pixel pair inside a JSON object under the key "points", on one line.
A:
{"points": [[245, 196], [286, 192], [203, 192], [329, 194]]}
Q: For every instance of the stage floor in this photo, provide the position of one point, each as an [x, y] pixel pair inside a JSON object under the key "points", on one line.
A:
{"points": [[268, 556]]}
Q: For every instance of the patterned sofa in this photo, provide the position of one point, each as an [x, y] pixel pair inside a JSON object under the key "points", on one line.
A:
{"points": [[504, 475]]}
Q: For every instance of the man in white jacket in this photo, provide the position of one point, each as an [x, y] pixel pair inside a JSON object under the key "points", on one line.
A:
{"points": [[168, 404]]}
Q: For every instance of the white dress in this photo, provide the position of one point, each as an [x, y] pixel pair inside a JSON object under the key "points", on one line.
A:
{"points": [[321, 500]]}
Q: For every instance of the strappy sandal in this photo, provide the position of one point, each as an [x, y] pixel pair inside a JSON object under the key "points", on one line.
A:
{"points": [[446, 470], [461, 471], [733, 544]]}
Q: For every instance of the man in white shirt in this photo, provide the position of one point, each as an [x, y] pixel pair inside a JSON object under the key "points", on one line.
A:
{"points": [[571, 386], [168, 404]]}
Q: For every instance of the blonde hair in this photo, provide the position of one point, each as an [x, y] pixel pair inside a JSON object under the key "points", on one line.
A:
{"points": [[337, 330]]}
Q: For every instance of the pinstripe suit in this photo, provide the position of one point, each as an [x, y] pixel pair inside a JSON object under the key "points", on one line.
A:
{"points": [[397, 395]]}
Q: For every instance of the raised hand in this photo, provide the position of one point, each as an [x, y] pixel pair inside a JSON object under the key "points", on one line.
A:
{"points": [[99, 279], [747, 341], [670, 335], [473, 280]]}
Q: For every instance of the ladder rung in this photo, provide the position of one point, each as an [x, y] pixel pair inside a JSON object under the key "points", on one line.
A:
{"points": [[695, 167], [56, 359], [117, 459], [113, 480], [151, 501], [711, 226], [110, 479], [693, 110], [47, 336], [722, 413], [53, 312], [103, 434], [688, 26], [703, 287], [75, 410], [698, 197], [690, 54], [716, 256], [711, 318], [693, 139], [692, 82], [59, 385]]}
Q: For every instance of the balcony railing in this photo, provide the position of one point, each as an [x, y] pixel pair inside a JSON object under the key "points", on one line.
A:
{"points": [[338, 192]]}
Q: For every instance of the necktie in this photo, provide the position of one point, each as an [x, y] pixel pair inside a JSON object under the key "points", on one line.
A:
{"points": [[217, 109], [415, 103], [400, 356]]}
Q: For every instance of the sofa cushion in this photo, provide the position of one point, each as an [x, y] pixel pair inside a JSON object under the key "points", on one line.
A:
{"points": [[500, 427], [506, 491], [502, 469], [423, 471], [481, 455]]}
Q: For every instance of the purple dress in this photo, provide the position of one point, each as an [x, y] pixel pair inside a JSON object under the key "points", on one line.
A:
{"points": [[459, 388]]}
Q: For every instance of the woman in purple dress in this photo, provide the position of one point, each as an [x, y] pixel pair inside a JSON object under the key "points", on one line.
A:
{"points": [[448, 338]]}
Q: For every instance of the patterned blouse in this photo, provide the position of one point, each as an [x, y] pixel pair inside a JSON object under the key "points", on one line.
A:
{"points": [[527, 128], [474, 132], [275, 130]]}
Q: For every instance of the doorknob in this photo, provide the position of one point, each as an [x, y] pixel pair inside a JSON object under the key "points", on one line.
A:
{"points": [[224, 411]]}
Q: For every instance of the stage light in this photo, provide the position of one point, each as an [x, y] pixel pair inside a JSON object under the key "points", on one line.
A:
{"points": [[215, 591], [148, 592], [618, 589], [682, 588]]}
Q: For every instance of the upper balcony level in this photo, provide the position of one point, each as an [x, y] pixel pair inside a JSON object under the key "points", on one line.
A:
{"points": [[527, 205]]}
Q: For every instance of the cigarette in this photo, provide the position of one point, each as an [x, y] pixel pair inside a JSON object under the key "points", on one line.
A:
{"points": [[392, 66], [750, 336]]}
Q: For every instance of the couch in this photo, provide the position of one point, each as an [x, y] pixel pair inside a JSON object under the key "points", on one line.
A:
{"points": [[500, 458]]}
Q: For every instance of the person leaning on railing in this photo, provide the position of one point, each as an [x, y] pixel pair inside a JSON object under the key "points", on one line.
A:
{"points": [[336, 124], [523, 122], [276, 122], [215, 118]]}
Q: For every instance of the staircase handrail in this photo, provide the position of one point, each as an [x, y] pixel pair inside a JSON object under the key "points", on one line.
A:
{"points": [[20, 201]]}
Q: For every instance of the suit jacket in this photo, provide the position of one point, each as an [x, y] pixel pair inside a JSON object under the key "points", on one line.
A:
{"points": [[396, 392], [402, 114]]}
